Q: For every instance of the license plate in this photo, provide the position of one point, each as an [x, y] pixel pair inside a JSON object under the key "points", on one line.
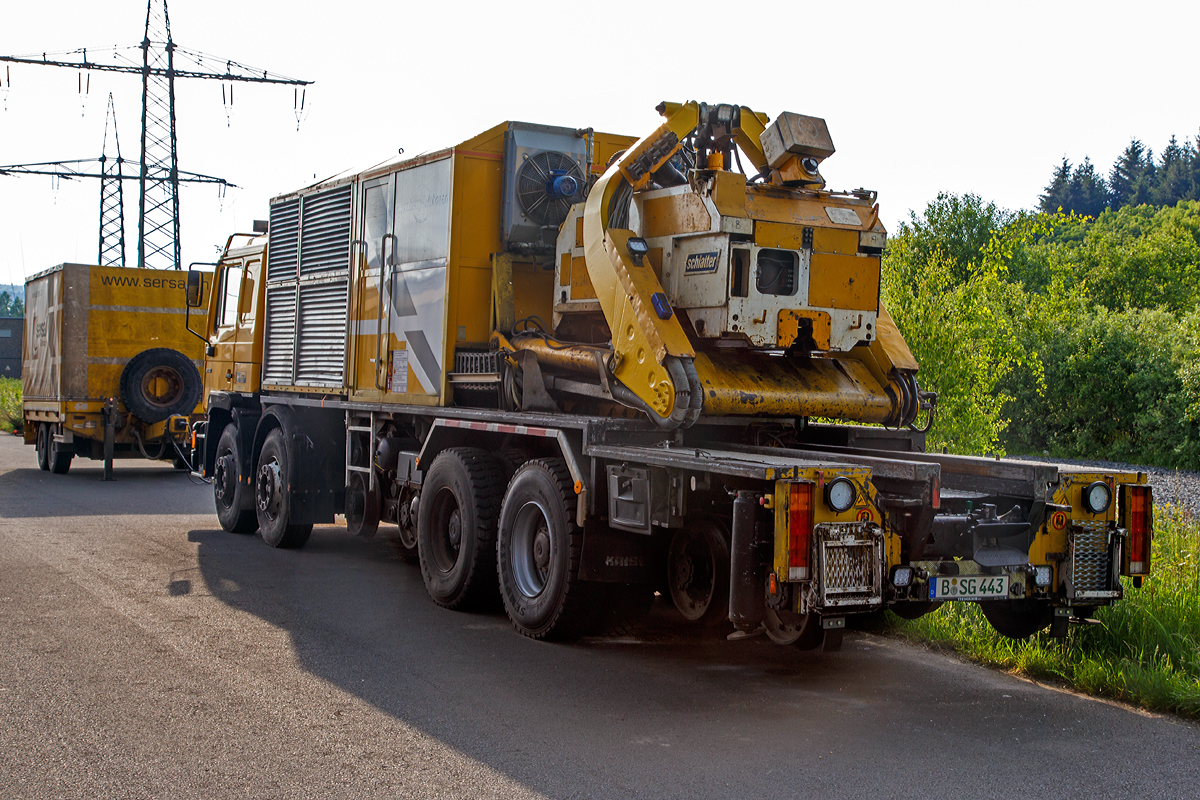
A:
{"points": [[968, 587]]}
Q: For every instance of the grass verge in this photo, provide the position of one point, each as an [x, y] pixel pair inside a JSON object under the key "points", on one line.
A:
{"points": [[1145, 651], [10, 405]]}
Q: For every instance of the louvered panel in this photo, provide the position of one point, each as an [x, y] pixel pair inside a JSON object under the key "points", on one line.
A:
{"points": [[279, 342], [284, 232], [325, 234], [321, 349]]}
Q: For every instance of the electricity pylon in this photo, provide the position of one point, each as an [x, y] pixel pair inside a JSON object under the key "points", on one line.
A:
{"points": [[112, 198], [159, 178]]}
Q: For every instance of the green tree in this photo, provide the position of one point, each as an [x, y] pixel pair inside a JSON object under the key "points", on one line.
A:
{"points": [[1131, 179], [11, 306]]}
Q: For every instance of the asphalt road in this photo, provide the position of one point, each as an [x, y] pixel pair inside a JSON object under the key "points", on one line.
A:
{"points": [[146, 653]]}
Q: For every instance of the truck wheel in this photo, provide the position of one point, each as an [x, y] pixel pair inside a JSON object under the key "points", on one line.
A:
{"points": [[43, 447], [456, 526], [407, 524], [1017, 619], [538, 551], [232, 492], [698, 571], [273, 498], [362, 506], [806, 634], [57, 455], [159, 382]]}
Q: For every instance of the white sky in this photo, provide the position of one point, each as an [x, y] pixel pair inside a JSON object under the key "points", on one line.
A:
{"points": [[919, 97]]}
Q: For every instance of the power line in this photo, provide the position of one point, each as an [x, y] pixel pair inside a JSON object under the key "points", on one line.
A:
{"points": [[159, 174]]}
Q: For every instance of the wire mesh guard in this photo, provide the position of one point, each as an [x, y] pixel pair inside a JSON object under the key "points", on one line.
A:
{"points": [[850, 555], [1091, 563], [536, 173]]}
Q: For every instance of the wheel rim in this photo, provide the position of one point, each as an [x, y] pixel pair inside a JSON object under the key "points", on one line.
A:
{"points": [[778, 631], [532, 552], [447, 530], [408, 524], [270, 489], [224, 479], [162, 387], [691, 566]]}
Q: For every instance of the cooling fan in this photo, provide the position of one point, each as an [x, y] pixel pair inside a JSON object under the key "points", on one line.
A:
{"points": [[548, 183]]}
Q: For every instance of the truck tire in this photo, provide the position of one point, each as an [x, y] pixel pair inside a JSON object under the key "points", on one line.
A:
{"points": [[158, 383], [1017, 619], [57, 455], [273, 497], [698, 571], [805, 634], [232, 492], [43, 446], [456, 526], [362, 506], [538, 552]]}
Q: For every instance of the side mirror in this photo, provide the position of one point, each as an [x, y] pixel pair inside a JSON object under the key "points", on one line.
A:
{"points": [[195, 289]]}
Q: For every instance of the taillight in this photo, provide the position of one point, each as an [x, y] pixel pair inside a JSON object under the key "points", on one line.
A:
{"points": [[1139, 530], [800, 523]]}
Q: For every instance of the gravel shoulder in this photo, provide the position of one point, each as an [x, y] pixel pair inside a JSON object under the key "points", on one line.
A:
{"points": [[1178, 488]]}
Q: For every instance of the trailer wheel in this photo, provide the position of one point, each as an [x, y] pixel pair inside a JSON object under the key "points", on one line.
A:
{"points": [[43, 447], [698, 571], [806, 634], [58, 457], [232, 492], [362, 506], [456, 526], [538, 552], [160, 382], [273, 498], [1017, 619]]}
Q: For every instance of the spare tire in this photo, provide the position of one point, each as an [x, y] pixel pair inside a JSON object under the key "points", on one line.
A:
{"points": [[158, 383]]}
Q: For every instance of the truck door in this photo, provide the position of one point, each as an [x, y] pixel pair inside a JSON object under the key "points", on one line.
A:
{"points": [[219, 367], [402, 310], [246, 362]]}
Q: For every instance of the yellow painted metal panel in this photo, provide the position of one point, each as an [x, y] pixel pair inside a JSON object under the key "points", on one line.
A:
{"points": [[891, 342], [581, 283], [847, 282], [729, 193], [533, 292], [835, 240], [789, 327], [781, 235], [680, 213]]}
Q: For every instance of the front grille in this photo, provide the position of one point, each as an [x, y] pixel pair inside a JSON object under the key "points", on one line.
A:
{"points": [[850, 563], [1091, 559], [475, 363]]}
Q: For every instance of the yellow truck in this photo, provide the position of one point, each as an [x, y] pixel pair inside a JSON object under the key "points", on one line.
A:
{"points": [[107, 349], [577, 368]]}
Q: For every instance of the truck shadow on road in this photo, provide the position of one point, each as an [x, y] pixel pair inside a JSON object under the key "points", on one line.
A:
{"points": [[584, 718], [81, 492]]}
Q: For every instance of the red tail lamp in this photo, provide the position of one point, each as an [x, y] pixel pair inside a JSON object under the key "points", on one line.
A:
{"points": [[1140, 534], [800, 525]]}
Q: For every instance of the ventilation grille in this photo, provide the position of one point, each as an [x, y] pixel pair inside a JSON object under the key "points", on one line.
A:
{"points": [[284, 246], [1090, 563], [325, 240], [320, 356], [280, 339], [851, 557]]}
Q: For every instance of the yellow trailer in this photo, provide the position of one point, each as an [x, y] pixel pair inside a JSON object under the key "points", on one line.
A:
{"points": [[109, 343]]}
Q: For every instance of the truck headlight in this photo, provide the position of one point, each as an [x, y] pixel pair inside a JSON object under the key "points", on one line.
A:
{"points": [[840, 494], [1097, 497], [1042, 574], [902, 576]]}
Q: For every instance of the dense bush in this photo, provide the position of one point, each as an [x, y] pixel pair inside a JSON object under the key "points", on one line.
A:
{"points": [[1055, 333], [10, 404]]}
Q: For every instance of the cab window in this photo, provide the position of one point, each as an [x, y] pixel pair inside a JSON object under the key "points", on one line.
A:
{"points": [[231, 284]]}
